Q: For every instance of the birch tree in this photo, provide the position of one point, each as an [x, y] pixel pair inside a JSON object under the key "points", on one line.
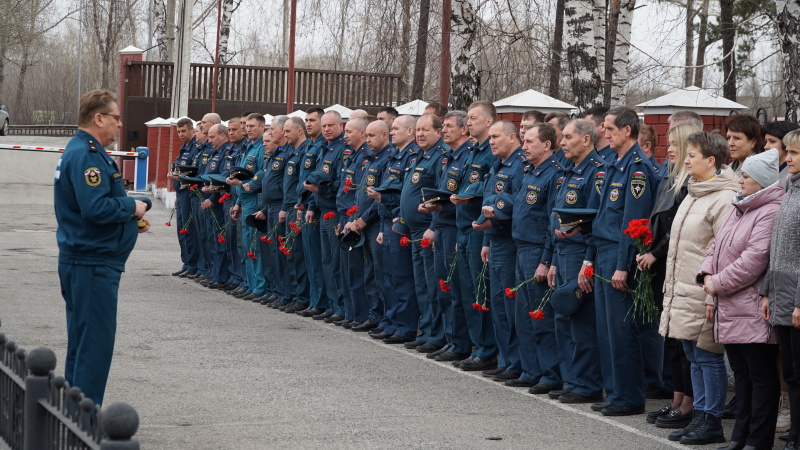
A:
{"points": [[620, 51], [582, 55], [228, 8], [788, 21], [465, 80]]}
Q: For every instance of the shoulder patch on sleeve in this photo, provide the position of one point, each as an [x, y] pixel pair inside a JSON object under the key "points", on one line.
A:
{"points": [[92, 176]]}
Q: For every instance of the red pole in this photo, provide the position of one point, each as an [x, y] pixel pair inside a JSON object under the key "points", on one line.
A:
{"points": [[444, 71], [216, 59], [290, 84]]}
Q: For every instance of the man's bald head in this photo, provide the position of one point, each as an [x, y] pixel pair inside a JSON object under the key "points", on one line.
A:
{"points": [[355, 132], [377, 135], [209, 120], [358, 114]]}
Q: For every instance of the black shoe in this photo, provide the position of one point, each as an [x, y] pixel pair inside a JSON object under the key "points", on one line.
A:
{"points": [[477, 364], [573, 397], [489, 373], [600, 406], [333, 318], [698, 417], [458, 363], [322, 316], [351, 324], [296, 308], [733, 445], [708, 432], [791, 445], [236, 291], [242, 294], [284, 306], [519, 383], [188, 274], [264, 300], [178, 273], [412, 344], [380, 335], [450, 356], [428, 348], [310, 312], [230, 287], [216, 285], [557, 393], [278, 304], [433, 355], [674, 419], [395, 339], [505, 376], [622, 410], [541, 388], [366, 326], [730, 409], [655, 392], [341, 322], [251, 296], [653, 415]]}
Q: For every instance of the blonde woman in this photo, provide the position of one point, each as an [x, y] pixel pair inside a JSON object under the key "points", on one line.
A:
{"points": [[671, 192]]}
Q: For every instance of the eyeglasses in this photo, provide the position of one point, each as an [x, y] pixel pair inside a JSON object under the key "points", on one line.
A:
{"points": [[116, 116]]}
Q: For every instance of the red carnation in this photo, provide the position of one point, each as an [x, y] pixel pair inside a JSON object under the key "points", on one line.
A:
{"points": [[328, 216], [220, 239], [193, 187], [589, 271], [404, 241], [443, 286], [168, 224], [510, 293], [352, 210], [425, 243], [479, 307], [537, 315], [648, 240], [348, 182], [184, 231]]}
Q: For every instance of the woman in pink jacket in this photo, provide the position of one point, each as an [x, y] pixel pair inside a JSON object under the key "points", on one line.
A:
{"points": [[733, 273]]}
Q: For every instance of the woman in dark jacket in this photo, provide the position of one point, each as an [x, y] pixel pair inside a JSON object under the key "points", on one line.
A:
{"points": [[671, 192]]}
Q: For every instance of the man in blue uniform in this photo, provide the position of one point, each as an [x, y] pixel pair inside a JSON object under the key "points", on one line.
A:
{"points": [[97, 229], [323, 200], [480, 116], [220, 266], [266, 183], [532, 205], [576, 334], [199, 225], [183, 211], [311, 233], [597, 114], [459, 346], [369, 223], [246, 204], [628, 192], [233, 244], [400, 322], [498, 246], [426, 172]]}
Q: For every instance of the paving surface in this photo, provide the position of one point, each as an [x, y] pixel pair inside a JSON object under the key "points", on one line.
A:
{"points": [[207, 371]]}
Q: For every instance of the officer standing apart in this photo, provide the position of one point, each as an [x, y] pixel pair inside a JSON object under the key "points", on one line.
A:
{"points": [[97, 229]]}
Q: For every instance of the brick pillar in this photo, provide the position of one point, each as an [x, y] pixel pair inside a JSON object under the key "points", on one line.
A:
{"points": [[129, 53]]}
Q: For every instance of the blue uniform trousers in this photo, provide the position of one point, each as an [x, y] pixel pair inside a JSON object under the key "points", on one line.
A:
{"points": [[313, 260], [621, 336], [402, 312], [235, 261], [502, 260], [373, 273], [276, 271], [331, 269], [187, 242], [426, 284], [356, 305], [201, 235], [254, 270], [219, 251], [583, 361], [297, 277], [90, 294], [479, 324], [538, 351], [453, 318]]}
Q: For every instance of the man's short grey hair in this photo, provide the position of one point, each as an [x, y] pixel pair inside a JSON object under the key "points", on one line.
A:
{"points": [[461, 117], [563, 118], [686, 116], [221, 129], [585, 127], [280, 121]]}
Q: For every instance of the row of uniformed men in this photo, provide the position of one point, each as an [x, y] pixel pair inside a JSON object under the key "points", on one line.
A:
{"points": [[494, 231]]}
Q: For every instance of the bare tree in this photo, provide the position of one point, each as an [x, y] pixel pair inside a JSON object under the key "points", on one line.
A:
{"points": [[620, 51], [702, 44], [465, 81], [788, 21], [728, 32], [582, 53], [555, 53], [420, 62]]}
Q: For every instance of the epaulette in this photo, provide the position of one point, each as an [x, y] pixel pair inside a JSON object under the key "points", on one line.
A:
{"points": [[556, 165], [596, 162], [636, 157], [522, 157], [92, 147]]}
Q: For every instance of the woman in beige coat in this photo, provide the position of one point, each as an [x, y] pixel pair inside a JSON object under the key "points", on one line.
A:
{"points": [[687, 308]]}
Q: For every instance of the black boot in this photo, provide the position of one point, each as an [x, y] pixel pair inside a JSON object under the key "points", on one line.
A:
{"points": [[733, 445], [709, 432], [697, 419]]}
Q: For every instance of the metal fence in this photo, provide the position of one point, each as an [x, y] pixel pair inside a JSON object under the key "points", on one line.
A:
{"points": [[39, 410], [43, 130]]}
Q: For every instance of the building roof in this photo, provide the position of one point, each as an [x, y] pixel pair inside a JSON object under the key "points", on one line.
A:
{"points": [[413, 108], [342, 110], [701, 101], [530, 99]]}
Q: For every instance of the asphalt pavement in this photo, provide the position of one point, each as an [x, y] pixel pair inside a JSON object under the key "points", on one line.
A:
{"points": [[207, 371]]}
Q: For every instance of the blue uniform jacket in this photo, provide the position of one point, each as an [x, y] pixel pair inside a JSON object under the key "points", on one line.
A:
{"points": [[294, 161], [451, 181], [252, 160], [425, 172], [372, 177], [215, 166], [352, 169], [310, 158], [93, 211], [476, 170], [232, 157], [398, 167], [628, 193], [533, 204], [578, 187], [185, 157], [330, 161], [504, 178], [270, 178]]}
